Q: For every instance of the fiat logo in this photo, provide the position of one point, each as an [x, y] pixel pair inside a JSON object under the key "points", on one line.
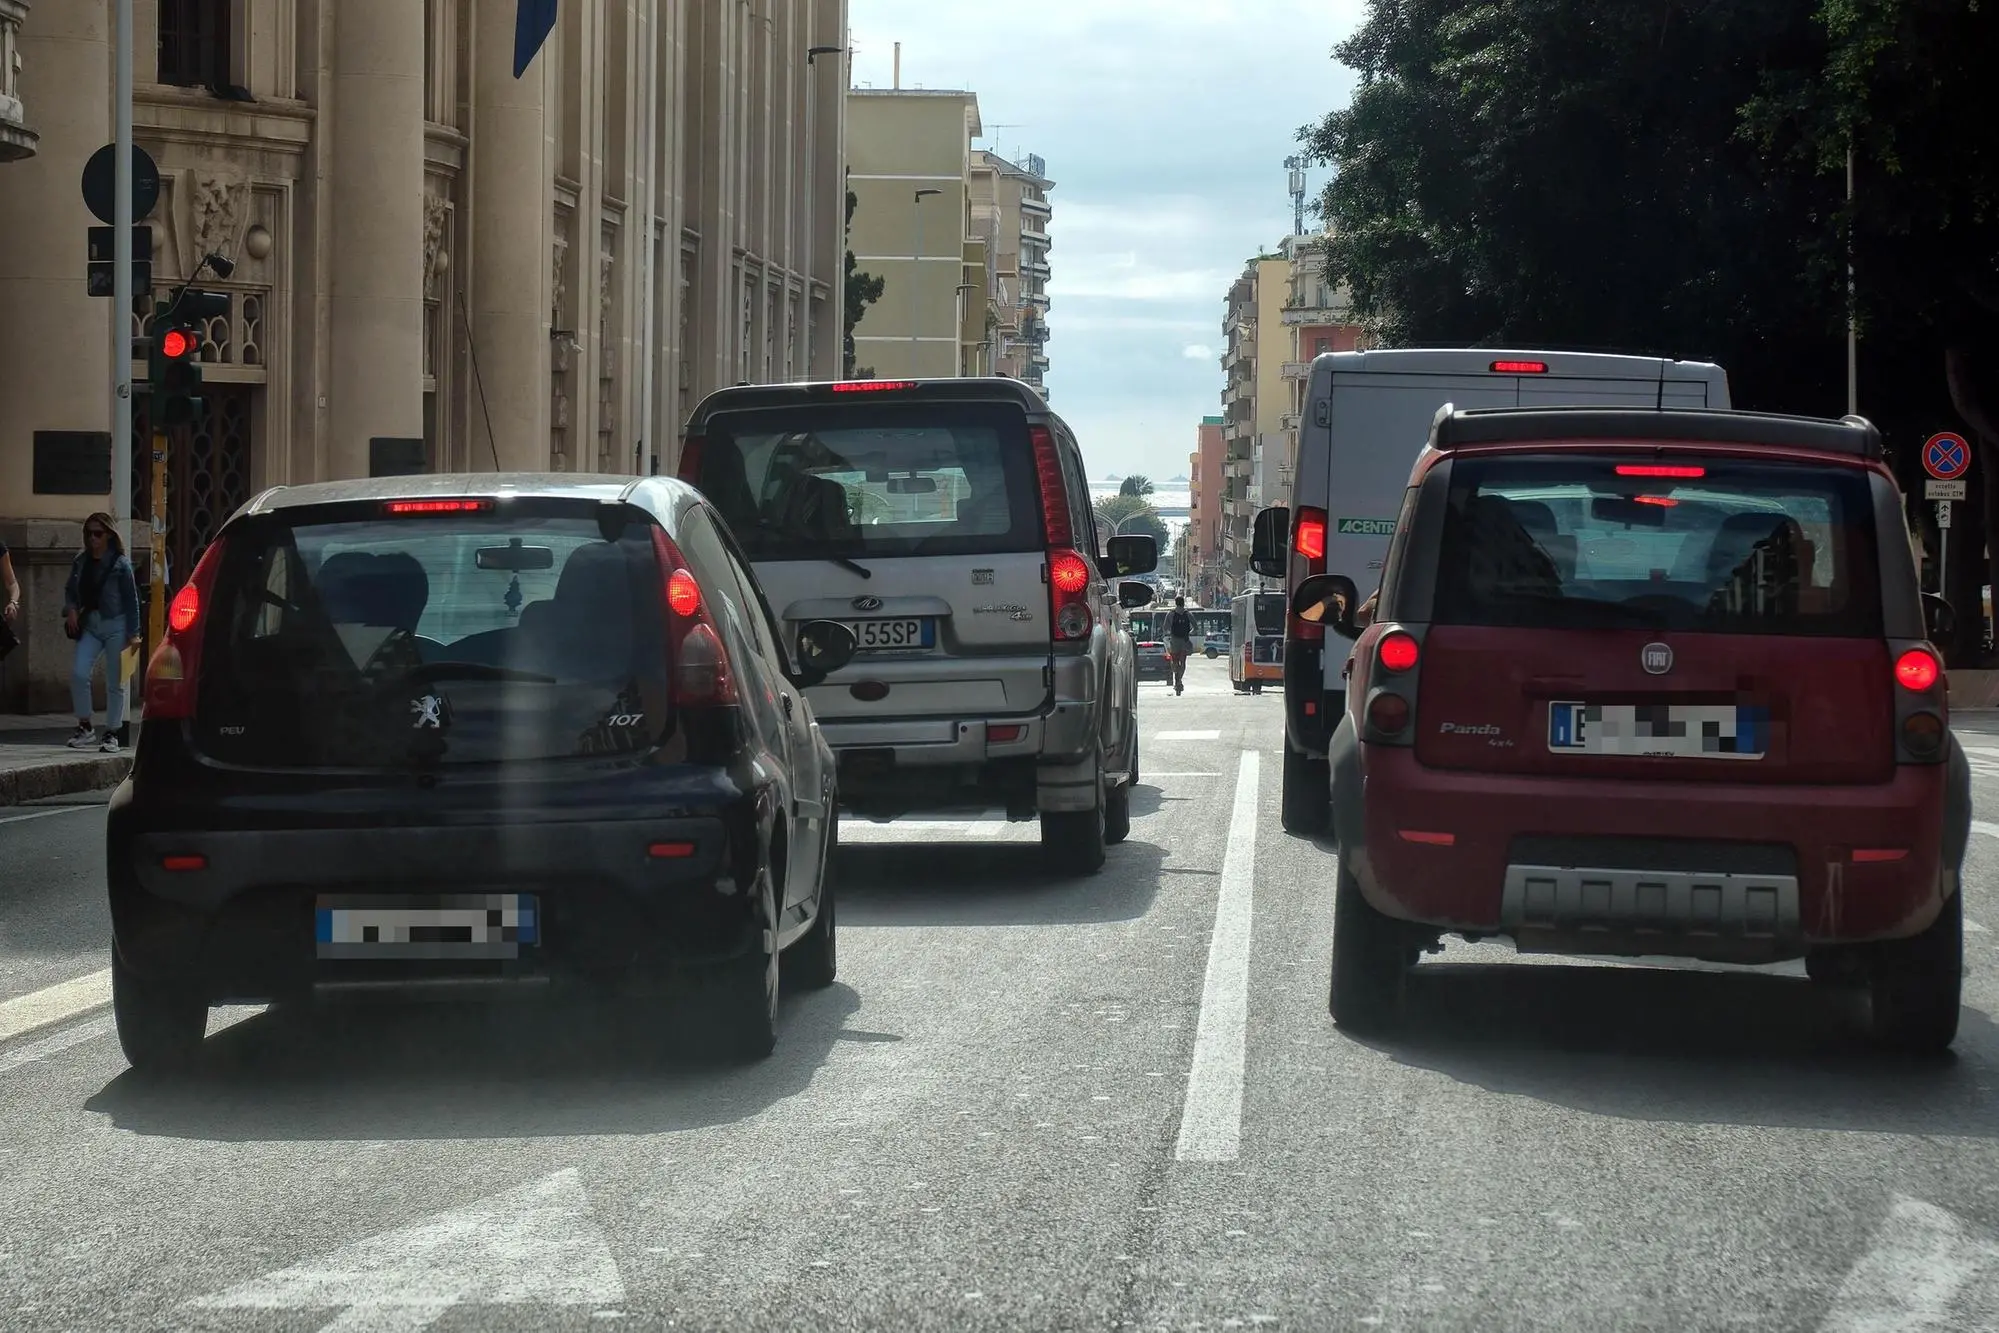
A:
{"points": [[1657, 658], [867, 603]]}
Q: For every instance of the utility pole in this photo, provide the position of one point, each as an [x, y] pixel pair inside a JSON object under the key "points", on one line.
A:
{"points": [[121, 289]]}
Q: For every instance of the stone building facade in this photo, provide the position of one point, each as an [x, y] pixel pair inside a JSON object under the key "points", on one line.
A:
{"points": [[438, 266]]}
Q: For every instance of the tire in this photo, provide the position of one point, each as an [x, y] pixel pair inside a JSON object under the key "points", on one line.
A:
{"points": [[813, 961], [736, 1003], [1117, 815], [1917, 984], [1073, 840], [1370, 962], [160, 1025], [1308, 793]]}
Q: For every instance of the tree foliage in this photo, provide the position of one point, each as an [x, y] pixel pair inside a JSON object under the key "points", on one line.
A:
{"points": [[863, 290], [1669, 176], [1136, 484]]}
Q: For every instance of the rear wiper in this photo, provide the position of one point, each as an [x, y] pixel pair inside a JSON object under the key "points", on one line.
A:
{"points": [[844, 563]]}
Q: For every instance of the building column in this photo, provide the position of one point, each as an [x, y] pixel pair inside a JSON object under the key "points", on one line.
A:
{"points": [[55, 342], [512, 276], [375, 306]]}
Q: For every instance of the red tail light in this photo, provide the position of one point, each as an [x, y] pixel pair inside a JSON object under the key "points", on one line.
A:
{"points": [[1068, 571], [690, 459], [702, 675], [1916, 670], [1308, 540], [173, 675], [1397, 652]]}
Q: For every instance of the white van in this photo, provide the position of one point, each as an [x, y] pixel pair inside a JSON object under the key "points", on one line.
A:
{"points": [[1366, 418]]}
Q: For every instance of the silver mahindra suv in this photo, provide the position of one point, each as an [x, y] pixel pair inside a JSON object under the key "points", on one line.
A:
{"points": [[949, 523]]}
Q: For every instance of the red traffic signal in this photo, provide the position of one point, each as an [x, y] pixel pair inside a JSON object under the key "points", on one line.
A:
{"points": [[176, 344]]}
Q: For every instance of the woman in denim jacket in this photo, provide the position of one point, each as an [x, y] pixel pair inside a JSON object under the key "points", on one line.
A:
{"points": [[100, 610]]}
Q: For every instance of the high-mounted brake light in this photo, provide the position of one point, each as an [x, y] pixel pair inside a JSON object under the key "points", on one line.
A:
{"points": [[872, 386], [173, 673], [1916, 670], [1398, 652], [1520, 367], [409, 507], [1678, 471]]}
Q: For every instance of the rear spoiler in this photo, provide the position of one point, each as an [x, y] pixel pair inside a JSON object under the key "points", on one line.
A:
{"points": [[1851, 437]]}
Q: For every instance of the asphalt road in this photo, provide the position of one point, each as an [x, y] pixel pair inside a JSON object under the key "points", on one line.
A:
{"points": [[1113, 1103]]}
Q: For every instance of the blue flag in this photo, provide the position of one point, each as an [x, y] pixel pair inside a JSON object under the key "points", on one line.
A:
{"points": [[534, 20]]}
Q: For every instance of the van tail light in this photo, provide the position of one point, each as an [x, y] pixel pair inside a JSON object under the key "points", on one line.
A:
{"points": [[691, 450], [1308, 543], [173, 674], [1069, 609], [702, 674]]}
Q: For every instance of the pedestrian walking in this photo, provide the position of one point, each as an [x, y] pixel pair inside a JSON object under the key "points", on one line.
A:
{"points": [[10, 602], [101, 612], [1180, 642]]}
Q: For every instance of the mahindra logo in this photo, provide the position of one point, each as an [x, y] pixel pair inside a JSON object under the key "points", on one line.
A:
{"points": [[1656, 658], [867, 603], [1468, 729]]}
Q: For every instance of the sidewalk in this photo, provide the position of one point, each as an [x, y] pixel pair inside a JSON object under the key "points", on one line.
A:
{"points": [[35, 763]]}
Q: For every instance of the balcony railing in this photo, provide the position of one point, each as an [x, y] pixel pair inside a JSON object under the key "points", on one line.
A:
{"points": [[1316, 314], [1297, 370]]}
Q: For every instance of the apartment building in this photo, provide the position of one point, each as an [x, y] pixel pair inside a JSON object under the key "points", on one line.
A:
{"points": [[437, 266], [1317, 318], [1205, 471], [910, 167], [1256, 460], [1021, 243]]}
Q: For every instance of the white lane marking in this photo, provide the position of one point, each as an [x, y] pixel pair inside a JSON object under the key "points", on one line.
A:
{"points": [[44, 814], [1187, 735], [1988, 829], [1914, 1277], [1182, 775], [55, 1044], [1211, 1116], [536, 1244], [54, 1004]]}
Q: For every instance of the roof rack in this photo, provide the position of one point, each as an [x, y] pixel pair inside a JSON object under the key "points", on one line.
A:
{"points": [[1455, 429]]}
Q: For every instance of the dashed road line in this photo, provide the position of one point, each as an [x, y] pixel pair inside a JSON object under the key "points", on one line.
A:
{"points": [[1186, 735], [1211, 1115], [54, 1004], [44, 814]]}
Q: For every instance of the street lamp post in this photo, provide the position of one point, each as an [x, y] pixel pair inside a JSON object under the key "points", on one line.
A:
{"points": [[916, 270]]}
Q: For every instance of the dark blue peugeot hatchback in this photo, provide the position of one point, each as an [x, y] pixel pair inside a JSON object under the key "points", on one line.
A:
{"points": [[438, 733]]}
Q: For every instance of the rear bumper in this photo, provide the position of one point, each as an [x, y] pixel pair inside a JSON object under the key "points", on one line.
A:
{"points": [[1727, 871], [612, 916]]}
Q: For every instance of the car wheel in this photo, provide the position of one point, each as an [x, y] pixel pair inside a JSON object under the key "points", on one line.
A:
{"points": [[1074, 839], [814, 961], [1308, 793], [1917, 984], [737, 1001], [1117, 815], [1370, 961], [160, 1025]]}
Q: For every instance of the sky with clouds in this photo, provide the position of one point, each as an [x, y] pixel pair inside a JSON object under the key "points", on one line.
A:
{"points": [[1165, 124]]}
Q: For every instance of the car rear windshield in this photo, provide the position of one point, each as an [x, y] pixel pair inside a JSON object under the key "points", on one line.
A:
{"points": [[873, 479], [1724, 545], [364, 640]]}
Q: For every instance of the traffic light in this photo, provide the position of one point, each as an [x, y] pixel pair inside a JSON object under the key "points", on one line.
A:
{"points": [[173, 358]]}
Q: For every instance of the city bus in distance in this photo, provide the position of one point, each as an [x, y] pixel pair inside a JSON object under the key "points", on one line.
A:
{"points": [[1256, 641]]}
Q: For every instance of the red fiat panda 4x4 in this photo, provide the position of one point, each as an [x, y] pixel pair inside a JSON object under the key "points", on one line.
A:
{"points": [[1642, 683]]}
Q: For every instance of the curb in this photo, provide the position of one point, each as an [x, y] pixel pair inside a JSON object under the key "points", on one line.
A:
{"points": [[63, 778]]}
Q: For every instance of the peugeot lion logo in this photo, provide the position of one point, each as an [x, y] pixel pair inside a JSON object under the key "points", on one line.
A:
{"points": [[1657, 658], [867, 603]]}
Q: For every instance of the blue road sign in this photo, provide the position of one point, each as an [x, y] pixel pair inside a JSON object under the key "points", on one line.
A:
{"points": [[1946, 456]]}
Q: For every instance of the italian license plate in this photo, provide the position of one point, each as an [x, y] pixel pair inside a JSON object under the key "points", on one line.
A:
{"points": [[469, 925], [889, 635], [1680, 731]]}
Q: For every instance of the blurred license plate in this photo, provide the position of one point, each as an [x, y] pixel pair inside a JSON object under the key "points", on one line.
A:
{"points": [[890, 634], [469, 925], [1688, 731]]}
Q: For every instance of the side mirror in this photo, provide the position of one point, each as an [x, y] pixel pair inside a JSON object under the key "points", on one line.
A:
{"points": [[1129, 553], [1132, 595], [1270, 547], [824, 646], [1940, 618], [1329, 600]]}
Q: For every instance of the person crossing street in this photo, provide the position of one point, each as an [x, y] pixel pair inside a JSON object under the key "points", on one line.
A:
{"points": [[1179, 642]]}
